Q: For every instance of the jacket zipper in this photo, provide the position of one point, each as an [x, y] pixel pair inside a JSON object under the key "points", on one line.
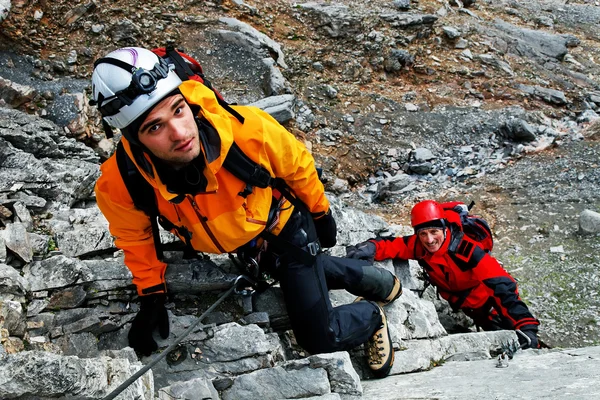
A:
{"points": [[203, 219]]}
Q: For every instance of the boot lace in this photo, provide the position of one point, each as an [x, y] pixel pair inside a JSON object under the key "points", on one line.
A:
{"points": [[376, 354]]}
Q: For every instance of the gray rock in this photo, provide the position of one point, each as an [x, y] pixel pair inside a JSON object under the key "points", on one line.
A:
{"points": [[271, 301], [100, 276], [51, 375], [589, 222], [422, 154], [41, 324], [12, 317], [398, 181], [402, 4], [16, 240], [12, 284], [197, 277], [233, 342], [71, 297], [423, 168], [82, 345], [518, 130], [451, 32], [2, 250], [254, 39], [342, 376], [36, 306], [66, 181], [528, 42], [280, 107], [548, 374], [84, 240], [277, 383], [397, 60], [258, 318], [52, 273], [191, 390], [336, 19], [4, 9], [124, 32], [28, 200], [23, 215], [274, 83], [462, 44], [408, 19], [14, 94], [421, 354], [495, 62], [551, 96], [40, 137], [339, 186], [587, 116]]}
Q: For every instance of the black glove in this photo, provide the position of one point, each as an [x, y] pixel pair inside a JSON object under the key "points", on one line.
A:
{"points": [[364, 251], [528, 339], [326, 230], [152, 314]]}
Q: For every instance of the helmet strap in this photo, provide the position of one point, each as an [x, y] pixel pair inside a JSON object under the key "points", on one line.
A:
{"points": [[107, 129]]}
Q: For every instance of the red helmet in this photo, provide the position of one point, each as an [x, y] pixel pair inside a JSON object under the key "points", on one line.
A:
{"points": [[427, 214]]}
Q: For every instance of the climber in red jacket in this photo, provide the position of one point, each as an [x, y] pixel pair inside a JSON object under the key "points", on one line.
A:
{"points": [[461, 269]]}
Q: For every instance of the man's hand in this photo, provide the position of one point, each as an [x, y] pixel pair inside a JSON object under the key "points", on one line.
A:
{"points": [[152, 314], [364, 251], [528, 339], [326, 230]]}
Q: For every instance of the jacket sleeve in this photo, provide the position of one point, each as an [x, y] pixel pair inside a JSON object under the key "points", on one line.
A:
{"points": [[291, 161], [400, 247], [502, 287], [131, 229]]}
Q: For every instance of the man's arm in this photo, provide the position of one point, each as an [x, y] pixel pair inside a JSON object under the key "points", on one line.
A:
{"points": [[291, 161], [382, 249], [503, 288], [132, 231], [400, 247]]}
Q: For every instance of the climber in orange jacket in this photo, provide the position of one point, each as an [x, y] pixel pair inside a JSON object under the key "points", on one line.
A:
{"points": [[178, 135], [465, 275]]}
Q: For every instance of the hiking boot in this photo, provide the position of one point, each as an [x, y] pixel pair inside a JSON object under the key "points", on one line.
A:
{"points": [[380, 351], [394, 294]]}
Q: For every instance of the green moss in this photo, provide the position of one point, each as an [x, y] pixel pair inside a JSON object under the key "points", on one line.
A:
{"points": [[436, 363], [52, 245]]}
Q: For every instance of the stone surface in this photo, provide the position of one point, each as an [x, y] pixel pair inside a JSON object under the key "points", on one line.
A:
{"points": [[530, 374]]}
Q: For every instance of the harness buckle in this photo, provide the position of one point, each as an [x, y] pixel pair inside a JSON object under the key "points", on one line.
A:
{"points": [[244, 285], [313, 248]]}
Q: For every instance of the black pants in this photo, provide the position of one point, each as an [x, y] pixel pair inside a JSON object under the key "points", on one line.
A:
{"points": [[318, 327]]}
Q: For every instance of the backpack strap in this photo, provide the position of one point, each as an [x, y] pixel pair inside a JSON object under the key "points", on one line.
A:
{"points": [[248, 171], [253, 174], [141, 192]]}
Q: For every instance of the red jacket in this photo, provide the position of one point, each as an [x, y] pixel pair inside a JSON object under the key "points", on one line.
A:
{"points": [[464, 274]]}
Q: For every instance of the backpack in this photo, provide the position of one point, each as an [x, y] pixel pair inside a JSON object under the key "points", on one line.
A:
{"points": [[186, 67], [473, 226]]}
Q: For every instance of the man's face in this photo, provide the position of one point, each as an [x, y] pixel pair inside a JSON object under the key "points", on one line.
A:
{"points": [[170, 132], [432, 239]]}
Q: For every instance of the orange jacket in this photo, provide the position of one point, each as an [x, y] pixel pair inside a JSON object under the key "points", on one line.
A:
{"points": [[219, 220]]}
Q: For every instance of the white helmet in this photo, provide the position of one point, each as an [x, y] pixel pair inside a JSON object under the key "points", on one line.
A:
{"points": [[128, 82]]}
